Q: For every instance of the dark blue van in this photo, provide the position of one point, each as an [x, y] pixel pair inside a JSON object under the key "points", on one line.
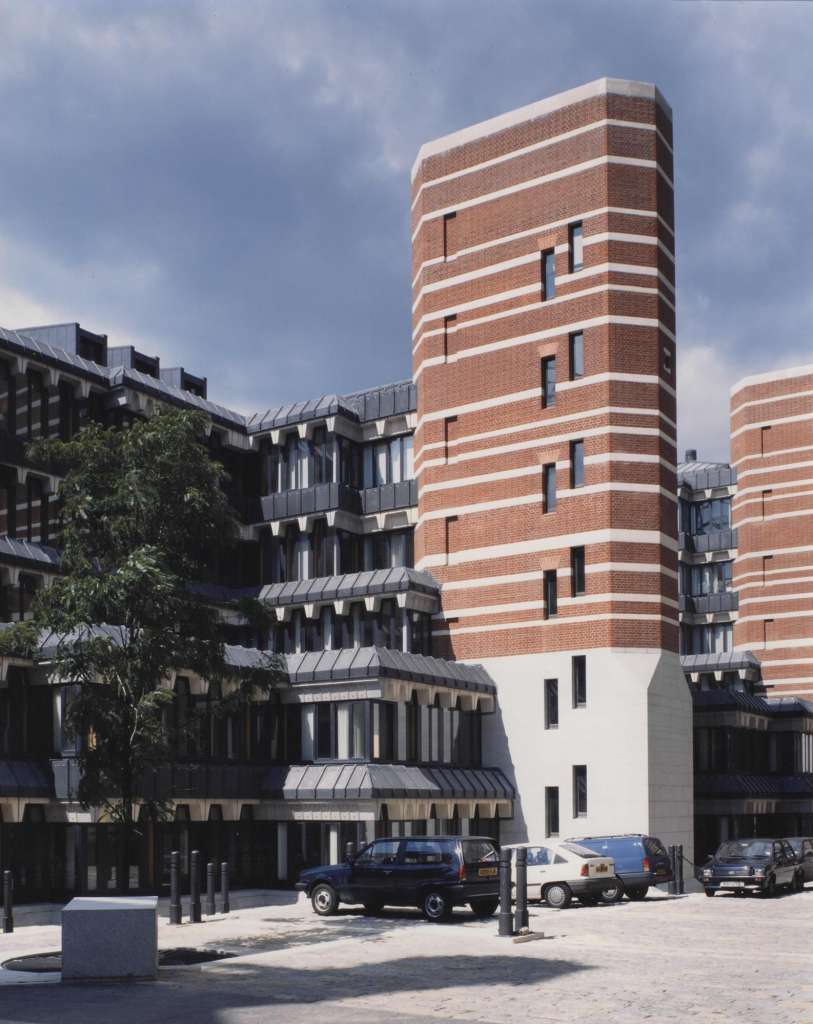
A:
{"points": [[640, 861]]}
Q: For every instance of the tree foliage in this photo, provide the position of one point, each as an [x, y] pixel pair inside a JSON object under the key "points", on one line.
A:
{"points": [[143, 513]]}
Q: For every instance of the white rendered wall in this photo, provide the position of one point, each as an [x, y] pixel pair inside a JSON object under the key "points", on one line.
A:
{"points": [[634, 736]]}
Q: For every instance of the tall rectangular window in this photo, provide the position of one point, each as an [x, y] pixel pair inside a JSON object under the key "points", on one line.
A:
{"points": [[449, 323], [576, 247], [549, 483], [551, 810], [764, 440], [551, 703], [579, 672], [577, 570], [449, 246], [576, 355], [766, 495], [548, 274], [548, 381], [766, 564], [577, 463], [579, 790], [551, 595]]}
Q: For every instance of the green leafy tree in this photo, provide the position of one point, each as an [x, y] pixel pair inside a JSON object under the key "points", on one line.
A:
{"points": [[143, 512]]}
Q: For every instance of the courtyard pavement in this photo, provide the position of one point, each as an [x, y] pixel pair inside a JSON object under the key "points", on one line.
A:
{"points": [[662, 960]]}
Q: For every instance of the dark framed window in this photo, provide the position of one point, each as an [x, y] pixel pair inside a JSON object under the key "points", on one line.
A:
{"points": [[549, 486], [576, 247], [413, 730], [449, 324], [383, 731], [577, 463], [579, 672], [551, 810], [324, 730], [551, 703], [551, 593], [68, 411], [579, 790], [449, 234], [37, 423], [548, 382], [576, 355], [548, 264], [577, 571], [8, 394], [322, 457]]}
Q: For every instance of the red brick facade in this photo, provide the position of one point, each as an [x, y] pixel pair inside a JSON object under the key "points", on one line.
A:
{"points": [[772, 449], [488, 202]]}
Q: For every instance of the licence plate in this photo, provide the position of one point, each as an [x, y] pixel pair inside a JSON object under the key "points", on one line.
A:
{"points": [[600, 868], [732, 885], [487, 872]]}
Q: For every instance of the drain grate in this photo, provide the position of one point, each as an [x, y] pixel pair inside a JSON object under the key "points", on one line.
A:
{"points": [[42, 963]]}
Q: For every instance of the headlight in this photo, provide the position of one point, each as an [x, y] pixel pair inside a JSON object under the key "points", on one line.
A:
{"points": [[758, 872], [707, 872]]}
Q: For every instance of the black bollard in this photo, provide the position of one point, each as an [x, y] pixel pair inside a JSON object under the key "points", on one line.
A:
{"points": [[505, 893], [349, 851], [521, 911], [8, 907], [673, 885], [175, 913], [209, 909], [194, 888], [681, 886], [224, 886]]}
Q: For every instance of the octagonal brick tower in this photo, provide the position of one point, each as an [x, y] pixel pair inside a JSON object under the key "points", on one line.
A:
{"points": [[545, 449]]}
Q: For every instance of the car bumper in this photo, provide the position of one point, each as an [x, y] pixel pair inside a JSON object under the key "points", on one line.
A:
{"points": [[749, 884], [590, 886], [303, 886]]}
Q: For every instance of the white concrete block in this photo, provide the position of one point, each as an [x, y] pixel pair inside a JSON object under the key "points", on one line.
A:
{"points": [[110, 937]]}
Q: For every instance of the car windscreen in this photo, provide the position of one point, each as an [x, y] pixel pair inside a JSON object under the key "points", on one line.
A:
{"points": [[746, 848], [580, 851]]}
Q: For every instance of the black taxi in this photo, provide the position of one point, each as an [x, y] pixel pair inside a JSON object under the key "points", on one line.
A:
{"points": [[433, 873]]}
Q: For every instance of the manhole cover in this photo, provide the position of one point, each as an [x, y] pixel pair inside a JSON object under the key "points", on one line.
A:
{"points": [[40, 963]]}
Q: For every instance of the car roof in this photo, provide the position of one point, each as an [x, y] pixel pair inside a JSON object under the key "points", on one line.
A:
{"points": [[434, 839]]}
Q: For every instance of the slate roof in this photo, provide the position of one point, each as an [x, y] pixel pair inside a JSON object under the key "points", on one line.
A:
{"points": [[354, 781], [700, 476], [350, 585], [735, 784], [362, 406], [24, 779], [723, 661]]}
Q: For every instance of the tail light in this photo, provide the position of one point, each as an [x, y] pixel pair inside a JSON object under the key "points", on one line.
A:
{"points": [[585, 870], [645, 864], [461, 874]]}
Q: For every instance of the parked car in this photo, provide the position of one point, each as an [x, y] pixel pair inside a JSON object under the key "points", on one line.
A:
{"points": [[752, 865], [562, 871], [640, 861], [803, 848], [434, 873]]}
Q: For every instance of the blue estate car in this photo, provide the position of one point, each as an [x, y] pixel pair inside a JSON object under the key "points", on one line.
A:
{"points": [[433, 873], [640, 861]]}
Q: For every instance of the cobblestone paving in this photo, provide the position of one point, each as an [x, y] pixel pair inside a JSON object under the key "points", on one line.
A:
{"points": [[662, 960]]}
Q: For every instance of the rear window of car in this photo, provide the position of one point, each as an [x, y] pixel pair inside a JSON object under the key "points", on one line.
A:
{"points": [[428, 852], [654, 847], [477, 850]]}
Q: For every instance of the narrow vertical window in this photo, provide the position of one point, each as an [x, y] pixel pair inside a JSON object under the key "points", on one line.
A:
{"points": [[579, 670], [764, 440], [549, 483], [448, 234], [548, 261], [576, 355], [576, 247], [579, 790], [551, 703], [577, 570], [551, 810], [551, 594], [449, 323], [548, 382], [766, 497], [577, 463], [766, 561]]}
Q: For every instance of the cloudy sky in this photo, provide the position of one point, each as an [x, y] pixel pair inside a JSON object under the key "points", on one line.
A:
{"points": [[226, 183]]}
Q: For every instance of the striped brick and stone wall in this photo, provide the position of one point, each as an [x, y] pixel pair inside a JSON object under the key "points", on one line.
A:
{"points": [[772, 450], [502, 286]]}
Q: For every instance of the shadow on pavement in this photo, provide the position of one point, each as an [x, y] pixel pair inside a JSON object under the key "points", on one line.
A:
{"points": [[239, 991]]}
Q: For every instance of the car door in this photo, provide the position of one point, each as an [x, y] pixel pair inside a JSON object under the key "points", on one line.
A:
{"points": [[539, 860], [371, 879], [791, 861], [806, 854], [423, 861], [782, 871]]}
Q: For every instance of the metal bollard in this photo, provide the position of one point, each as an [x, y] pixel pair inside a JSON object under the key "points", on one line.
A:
{"points": [[8, 907], [673, 884], [194, 888], [224, 886], [505, 893], [681, 886], [349, 851], [521, 910], [175, 912], [209, 908]]}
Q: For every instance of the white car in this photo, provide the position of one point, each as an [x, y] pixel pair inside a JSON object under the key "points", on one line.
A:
{"points": [[559, 872]]}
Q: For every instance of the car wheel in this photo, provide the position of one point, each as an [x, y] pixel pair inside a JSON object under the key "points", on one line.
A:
{"points": [[709, 892], [484, 908], [324, 900], [373, 908], [769, 889], [638, 892], [557, 896], [613, 893], [435, 906]]}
